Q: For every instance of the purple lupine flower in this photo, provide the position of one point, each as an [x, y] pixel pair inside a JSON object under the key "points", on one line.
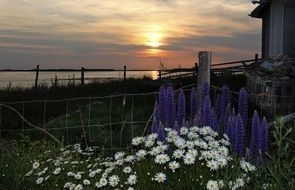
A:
{"points": [[243, 105], [232, 127], [155, 126], [204, 93], [227, 116], [228, 126], [205, 90], [255, 145], [215, 125], [162, 104], [161, 132], [206, 112], [193, 103], [176, 127], [197, 120], [225, 100], [156, 116], [218, 106], [170, 107], [239, 136], [181, 108], [265, 135]]}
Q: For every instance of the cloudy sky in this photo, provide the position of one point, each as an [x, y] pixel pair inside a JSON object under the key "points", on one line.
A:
{"points": [[113, 33]]}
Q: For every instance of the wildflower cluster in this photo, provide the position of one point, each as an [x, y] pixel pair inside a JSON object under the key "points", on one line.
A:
{"points": [[221, 118], [151, 164]]}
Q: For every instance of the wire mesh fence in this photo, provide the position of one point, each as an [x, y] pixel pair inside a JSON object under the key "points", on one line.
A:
{"points": [[109, 122]]}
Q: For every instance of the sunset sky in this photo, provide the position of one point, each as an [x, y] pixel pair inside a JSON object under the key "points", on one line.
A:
{"points": [[113, 33]]}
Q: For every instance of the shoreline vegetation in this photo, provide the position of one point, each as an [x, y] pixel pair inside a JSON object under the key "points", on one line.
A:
{"points": [[20, 152]]}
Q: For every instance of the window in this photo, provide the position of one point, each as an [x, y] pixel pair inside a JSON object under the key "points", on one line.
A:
{"points": [[289, 31]]}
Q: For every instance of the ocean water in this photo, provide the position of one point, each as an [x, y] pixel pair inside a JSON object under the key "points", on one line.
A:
{"points": [[27, 79]]}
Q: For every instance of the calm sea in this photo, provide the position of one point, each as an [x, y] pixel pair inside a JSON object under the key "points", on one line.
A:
{"points": [[27, 79]]}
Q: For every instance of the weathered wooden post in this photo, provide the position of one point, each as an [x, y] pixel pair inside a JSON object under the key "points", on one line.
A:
{"points": [[256, 57], [37, 76], [205, 59], [0, 122], [124, 72], [160, 75], [82, 76], [195, 73]]}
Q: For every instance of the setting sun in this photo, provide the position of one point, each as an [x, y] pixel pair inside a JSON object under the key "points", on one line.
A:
{"points": [[154, 40]]}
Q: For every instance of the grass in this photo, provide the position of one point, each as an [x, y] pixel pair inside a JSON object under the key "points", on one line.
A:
{"points": [[17, 158]]}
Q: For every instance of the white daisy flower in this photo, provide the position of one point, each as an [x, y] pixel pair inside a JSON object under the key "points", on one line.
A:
{"points": [[214, 144], [56, 171], [70, 174], [86, 182], [223, 150], [247, 167], [78, 176], [162, 148], [190, 144], [67, 185], [114, 180], [119, 155], [192, 135], [92, 174], [183, 131], [213, 165], [160, 177], [127, 170], [39, 180], [103, 182], [222, 162], [162, 159], [189, 159], [240, 182], [141, 153], [36, 165], [130, 158], [212, 185], [177, 154], [180, 143], [79, 187], [137, 140], [132, 179], [194, 152], [149, 143], [173, 166]]}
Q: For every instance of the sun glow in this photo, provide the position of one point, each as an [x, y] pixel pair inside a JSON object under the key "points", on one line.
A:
{"points": [[154, 40]]}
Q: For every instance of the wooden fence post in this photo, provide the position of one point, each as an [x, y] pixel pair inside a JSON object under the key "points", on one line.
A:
{"points": [[196, 72], [124, 72], [37, 77], [256, 57], [205, 58], [82, 76], [0, 121]]}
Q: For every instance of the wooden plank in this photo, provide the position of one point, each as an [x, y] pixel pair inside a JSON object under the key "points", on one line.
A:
{"points": [[37, 77]]}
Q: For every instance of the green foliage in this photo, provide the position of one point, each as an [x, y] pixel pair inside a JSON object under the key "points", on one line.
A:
{"points": [[278, 170]]}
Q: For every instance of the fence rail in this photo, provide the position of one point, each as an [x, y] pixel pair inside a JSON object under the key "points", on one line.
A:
{"points": [[217, 69]]}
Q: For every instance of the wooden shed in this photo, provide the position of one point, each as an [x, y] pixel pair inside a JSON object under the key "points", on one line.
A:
{"points": [[272, 80]]}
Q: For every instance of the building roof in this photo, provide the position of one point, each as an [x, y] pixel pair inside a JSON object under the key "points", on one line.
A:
{"points": [[258, 11]]}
